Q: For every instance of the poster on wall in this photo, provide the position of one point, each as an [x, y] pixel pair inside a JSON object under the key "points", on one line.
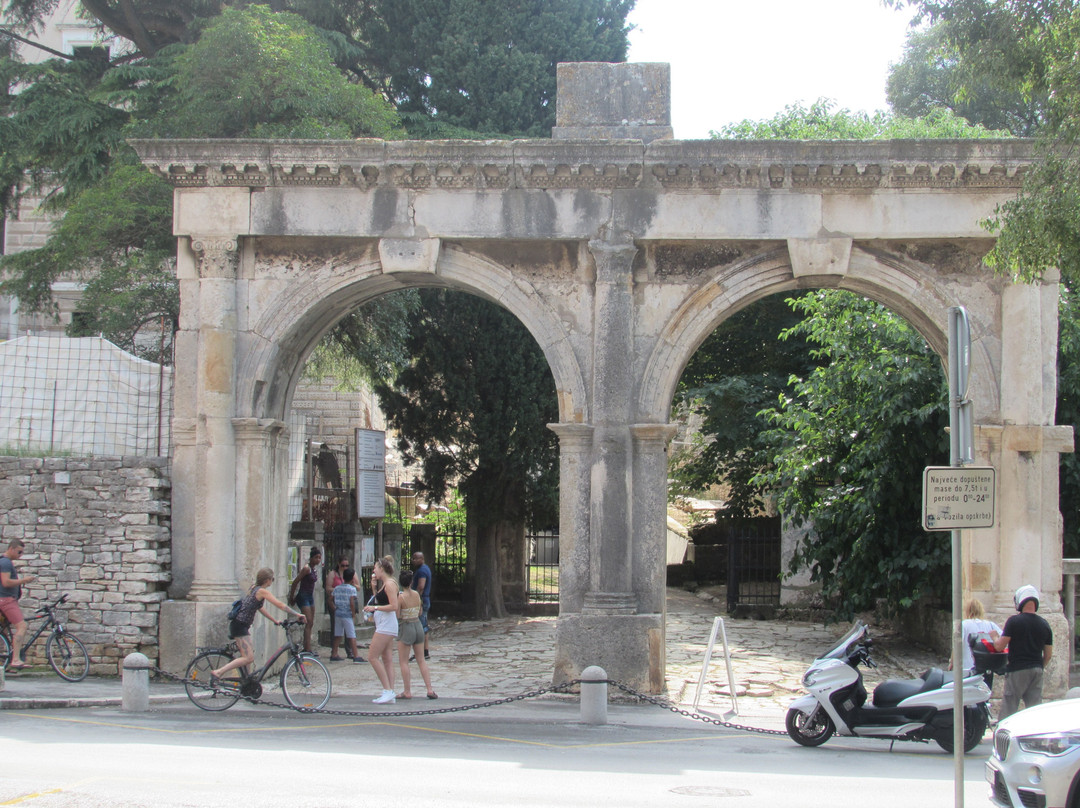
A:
{"points": [[370, 473], [367, 551]]}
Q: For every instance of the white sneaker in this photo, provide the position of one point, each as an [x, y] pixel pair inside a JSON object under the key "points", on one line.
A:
{"points": [[387, 697]]}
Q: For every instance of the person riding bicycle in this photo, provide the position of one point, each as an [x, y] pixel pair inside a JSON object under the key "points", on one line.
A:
{"points": [[240, 628], [10, 591]]}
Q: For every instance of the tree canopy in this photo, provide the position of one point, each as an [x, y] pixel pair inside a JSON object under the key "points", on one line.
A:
{"points": [[851, 439], [472, 408]]}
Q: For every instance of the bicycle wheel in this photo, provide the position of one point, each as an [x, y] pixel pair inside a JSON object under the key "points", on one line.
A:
{"points": [[5, 652], [67, 656], [305, 683], [197, 682]]}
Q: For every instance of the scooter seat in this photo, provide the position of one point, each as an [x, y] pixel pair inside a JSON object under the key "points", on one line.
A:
{"points": [[893, 691]]}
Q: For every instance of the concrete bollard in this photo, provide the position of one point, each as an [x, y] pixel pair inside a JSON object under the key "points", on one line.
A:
{"points": [[594, 695], [136, 684]]}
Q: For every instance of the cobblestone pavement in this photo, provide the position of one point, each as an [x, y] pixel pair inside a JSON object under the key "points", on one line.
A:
{"points": [[496, 658]]}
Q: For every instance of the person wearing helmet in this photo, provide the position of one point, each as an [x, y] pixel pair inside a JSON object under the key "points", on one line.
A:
{"points": [[1030, 643]]}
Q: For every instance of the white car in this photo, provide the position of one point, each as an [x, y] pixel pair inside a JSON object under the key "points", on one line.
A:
{"points": [[1036, 758]]}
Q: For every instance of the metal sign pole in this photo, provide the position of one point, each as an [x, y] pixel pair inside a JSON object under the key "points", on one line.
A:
{"points": [[960, 449]]}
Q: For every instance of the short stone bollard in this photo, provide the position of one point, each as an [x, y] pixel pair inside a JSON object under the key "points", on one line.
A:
{"points": [[136, 684], [594, 695]]}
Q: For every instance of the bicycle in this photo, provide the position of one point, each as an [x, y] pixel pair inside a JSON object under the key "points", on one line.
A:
{"points": [[305, 681], [64, 651]]}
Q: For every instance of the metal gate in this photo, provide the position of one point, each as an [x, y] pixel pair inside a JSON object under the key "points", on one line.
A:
{"points": [[753, 560]]}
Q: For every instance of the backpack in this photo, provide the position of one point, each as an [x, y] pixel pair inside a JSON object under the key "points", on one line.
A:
{"points": [[234, 611]]}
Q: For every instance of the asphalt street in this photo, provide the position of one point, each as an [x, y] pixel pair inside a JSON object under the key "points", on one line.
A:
{"points": [[67, 744]]}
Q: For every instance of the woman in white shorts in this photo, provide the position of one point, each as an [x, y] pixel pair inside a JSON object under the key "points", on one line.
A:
{"points": [[411, 637], [385, 607]]}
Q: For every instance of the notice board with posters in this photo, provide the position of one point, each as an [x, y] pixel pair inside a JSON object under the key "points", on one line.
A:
{"points": [[370, 473]]}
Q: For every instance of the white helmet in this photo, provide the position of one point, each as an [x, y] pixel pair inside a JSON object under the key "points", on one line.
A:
{"points": [[1024, 594]]}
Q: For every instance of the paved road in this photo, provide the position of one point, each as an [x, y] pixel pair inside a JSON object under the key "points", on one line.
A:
{"points": [[527, 754], [530, 753]]}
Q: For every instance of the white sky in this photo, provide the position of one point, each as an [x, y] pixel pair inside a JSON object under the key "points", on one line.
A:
{"points": [[737, 59]]}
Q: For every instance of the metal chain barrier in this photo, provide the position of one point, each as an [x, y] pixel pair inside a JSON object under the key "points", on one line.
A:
{"points": [[564, 688]]}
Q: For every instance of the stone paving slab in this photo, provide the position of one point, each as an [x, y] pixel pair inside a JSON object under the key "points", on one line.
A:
{"points": [[482, 660]]}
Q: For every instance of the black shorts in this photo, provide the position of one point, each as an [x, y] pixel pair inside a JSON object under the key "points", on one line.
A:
{"points": [[238, 629]]}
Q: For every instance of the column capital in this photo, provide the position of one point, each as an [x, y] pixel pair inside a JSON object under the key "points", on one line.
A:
{"points": [[258, 430], [574, 437], [653, 436], [217, 257]]}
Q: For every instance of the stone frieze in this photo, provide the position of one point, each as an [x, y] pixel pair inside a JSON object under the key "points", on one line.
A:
{"points": [[699, 166]]}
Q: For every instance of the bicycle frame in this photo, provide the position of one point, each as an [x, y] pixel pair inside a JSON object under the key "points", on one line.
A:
{"points": [[288, 647], [48, 621]]}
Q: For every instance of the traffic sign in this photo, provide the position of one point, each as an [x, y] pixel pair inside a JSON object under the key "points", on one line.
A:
{"points": [[955, 498]]}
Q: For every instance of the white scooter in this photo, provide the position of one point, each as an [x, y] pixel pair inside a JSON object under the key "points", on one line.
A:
{"points": [[901, 709]]}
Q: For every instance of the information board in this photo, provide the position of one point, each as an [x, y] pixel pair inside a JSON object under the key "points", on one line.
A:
{"points": [[370, 473], [958, 497]]}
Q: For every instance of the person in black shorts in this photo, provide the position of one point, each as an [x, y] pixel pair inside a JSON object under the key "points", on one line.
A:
{"points": [[302, 593], [240, 628]]}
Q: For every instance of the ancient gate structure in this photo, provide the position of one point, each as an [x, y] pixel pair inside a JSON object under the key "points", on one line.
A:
{"points": [[620, 249]]}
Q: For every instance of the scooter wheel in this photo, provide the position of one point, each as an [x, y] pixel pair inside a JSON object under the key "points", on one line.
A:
{"points": [[809, 731], [974, 728]]}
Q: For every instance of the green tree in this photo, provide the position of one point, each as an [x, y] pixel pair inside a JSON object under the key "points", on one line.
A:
{"points": [[823, 121], [851, 439], [489, 67], [471, 410], [251, 72], [741, 369], [931, 76]]}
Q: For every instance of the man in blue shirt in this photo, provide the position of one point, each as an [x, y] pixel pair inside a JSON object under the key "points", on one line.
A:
{"points": [[421, 582]]}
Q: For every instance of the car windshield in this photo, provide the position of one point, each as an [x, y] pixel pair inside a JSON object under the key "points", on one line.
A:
{"points": [[857, 634]]}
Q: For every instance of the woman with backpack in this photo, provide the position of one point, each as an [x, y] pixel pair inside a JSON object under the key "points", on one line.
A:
{"points": [[240, 626]]}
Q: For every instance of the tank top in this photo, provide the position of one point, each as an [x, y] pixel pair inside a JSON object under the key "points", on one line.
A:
{"points": [[248, 607], [410, 613], [307, 583]]}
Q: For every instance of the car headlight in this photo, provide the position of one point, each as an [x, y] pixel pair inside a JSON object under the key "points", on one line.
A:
{"points": [[1057, 743]]}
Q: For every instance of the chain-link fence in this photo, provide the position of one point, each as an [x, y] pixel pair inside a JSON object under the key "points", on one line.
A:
{"points": [[84, 396]]}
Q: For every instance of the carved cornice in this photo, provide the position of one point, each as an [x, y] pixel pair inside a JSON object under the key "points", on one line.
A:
{"points": [[663, 165]]}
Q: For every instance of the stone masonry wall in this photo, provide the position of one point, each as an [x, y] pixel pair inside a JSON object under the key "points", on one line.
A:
{"points": [[97, 529]]}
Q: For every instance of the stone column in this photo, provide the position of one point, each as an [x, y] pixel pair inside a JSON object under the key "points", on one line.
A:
{"points": [[215, 576], [1030, 550], [575, 451], [608, 613], [261, 536], [611, 518]]}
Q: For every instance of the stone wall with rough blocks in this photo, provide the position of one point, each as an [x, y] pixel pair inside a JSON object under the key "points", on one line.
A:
{"points": [[98, 530]]}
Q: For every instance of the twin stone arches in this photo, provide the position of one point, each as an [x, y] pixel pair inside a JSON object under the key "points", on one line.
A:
{"points": [[619, 257], [293, 324]]}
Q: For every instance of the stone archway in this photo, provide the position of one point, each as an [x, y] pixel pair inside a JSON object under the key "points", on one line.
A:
{"points": [[619, 256]]}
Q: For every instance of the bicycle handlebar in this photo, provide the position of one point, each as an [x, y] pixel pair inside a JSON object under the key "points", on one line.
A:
{"points": [[50, 606]]}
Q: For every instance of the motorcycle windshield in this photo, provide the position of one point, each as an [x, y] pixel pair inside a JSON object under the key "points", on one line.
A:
{"points": [[857, 634]]}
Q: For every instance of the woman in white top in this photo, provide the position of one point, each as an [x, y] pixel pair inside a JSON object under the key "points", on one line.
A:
{"points": [[974, 622], [385, 609]]}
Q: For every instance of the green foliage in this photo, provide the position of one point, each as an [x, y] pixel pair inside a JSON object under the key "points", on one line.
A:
{"points": [[257, 73], [1068, 412], [369, 345], [1025, 49], [472, 409], [931, 76], [117, 237], [851, 440], [821, 121], [489, 67], [250, 73], [740, 369]]}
